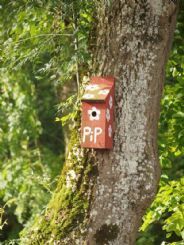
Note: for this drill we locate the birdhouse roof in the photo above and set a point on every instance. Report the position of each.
(98, 89)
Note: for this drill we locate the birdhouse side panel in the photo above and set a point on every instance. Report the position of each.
(93, 125)
(109, 123)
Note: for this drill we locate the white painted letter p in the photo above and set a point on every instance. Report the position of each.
(86, 132)
(97, 132)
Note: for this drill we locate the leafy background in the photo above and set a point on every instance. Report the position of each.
(45, 51)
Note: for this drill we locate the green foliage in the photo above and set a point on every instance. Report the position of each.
(45, 29)
(171, 130)
(69, 108)
(26, 160)
(168, 206)
(2, 223)
(43, 55)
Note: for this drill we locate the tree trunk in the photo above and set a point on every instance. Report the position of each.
(103, 194)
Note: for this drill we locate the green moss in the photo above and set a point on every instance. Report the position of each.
(68, 208)
(106, 233)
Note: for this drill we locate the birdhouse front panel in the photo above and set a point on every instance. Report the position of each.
(98, 114)
(93, 127)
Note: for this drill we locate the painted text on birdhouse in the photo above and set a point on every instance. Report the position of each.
(98, 113)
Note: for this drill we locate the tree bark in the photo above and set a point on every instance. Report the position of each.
(134, 38)
(103, 194)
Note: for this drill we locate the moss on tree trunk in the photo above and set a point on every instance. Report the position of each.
(66, 216)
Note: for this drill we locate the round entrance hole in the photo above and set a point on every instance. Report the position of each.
(94, 113)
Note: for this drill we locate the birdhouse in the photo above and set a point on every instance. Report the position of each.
(98, 113)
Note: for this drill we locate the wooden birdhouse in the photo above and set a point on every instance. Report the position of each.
(98, 113)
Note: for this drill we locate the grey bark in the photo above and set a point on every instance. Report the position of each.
(133, 42)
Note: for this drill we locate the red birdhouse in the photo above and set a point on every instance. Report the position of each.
(98, 113)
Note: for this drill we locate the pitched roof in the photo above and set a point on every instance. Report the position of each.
(97, 90)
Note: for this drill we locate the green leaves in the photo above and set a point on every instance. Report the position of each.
(175, 222)
(68, 110)
(169, 200)
(43, 48)
(36, 30)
